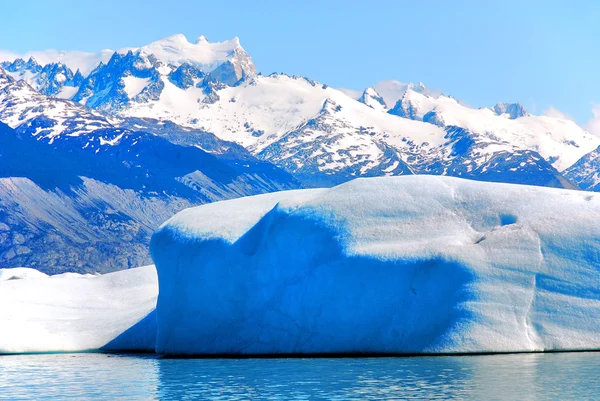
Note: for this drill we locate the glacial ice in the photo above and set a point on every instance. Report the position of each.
(72, 312)
(413, 264)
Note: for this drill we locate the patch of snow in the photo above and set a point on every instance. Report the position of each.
(559, 140)
(351, 93)
(134, 86)
(111, 142)
(67, 92)
(177, 50)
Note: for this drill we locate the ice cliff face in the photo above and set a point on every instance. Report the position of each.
(415, 264)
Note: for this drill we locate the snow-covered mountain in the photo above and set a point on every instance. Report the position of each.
(389, 92)
(586, 172)
(110, 79)
(322, 135)
(560, 142)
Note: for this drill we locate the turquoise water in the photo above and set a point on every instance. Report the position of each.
(100, 376)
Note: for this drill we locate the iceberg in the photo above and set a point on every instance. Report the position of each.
(394, 265)
(71, 312)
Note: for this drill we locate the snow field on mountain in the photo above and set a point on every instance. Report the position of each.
(177, 50)
(171, 50)
(414, 264)
(562, 142)
(72, 312)
(134, 86)
(272, 107)
(19, 103)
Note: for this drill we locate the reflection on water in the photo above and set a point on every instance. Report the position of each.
(97, 376)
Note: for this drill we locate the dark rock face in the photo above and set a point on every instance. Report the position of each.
(90, 203)
(514, 110)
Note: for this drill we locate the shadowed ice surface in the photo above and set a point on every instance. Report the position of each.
(103, 376)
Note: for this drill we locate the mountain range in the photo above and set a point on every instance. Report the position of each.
(99, 148)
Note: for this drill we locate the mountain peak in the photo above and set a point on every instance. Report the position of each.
(373, 99)
(513, 110)
(177, 38)
(202, 39)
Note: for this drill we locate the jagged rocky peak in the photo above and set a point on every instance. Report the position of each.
(391, 91)
(186, 76)
(236, 69)
(406, 106)
(201, 39)
(433, 117)
(371, 98)
(226, 61)
(420, 88)
(20, 65)
(330, 107)
(48, 79)
(4, 77)
(53, 77)
(512, 110)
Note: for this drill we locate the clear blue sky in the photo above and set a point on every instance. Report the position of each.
(540, 53)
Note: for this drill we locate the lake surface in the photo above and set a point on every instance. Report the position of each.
(559, 376)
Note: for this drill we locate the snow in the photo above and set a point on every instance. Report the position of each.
(177, 50)
(72, 312)
(76, 60)
(173, 50)
(111, 142)
(20, 103)
(275, 105)
(134, 85)
(285, 120)
(351, 93)
(561, 141)
(372, 99)
(305, 126)
(412, 264)
(391, 91)
(67, 92)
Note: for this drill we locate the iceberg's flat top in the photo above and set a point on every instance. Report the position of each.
(414, 264)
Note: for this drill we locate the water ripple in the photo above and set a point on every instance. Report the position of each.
(134, 377)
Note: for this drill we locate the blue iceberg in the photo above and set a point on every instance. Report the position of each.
(395, 265)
